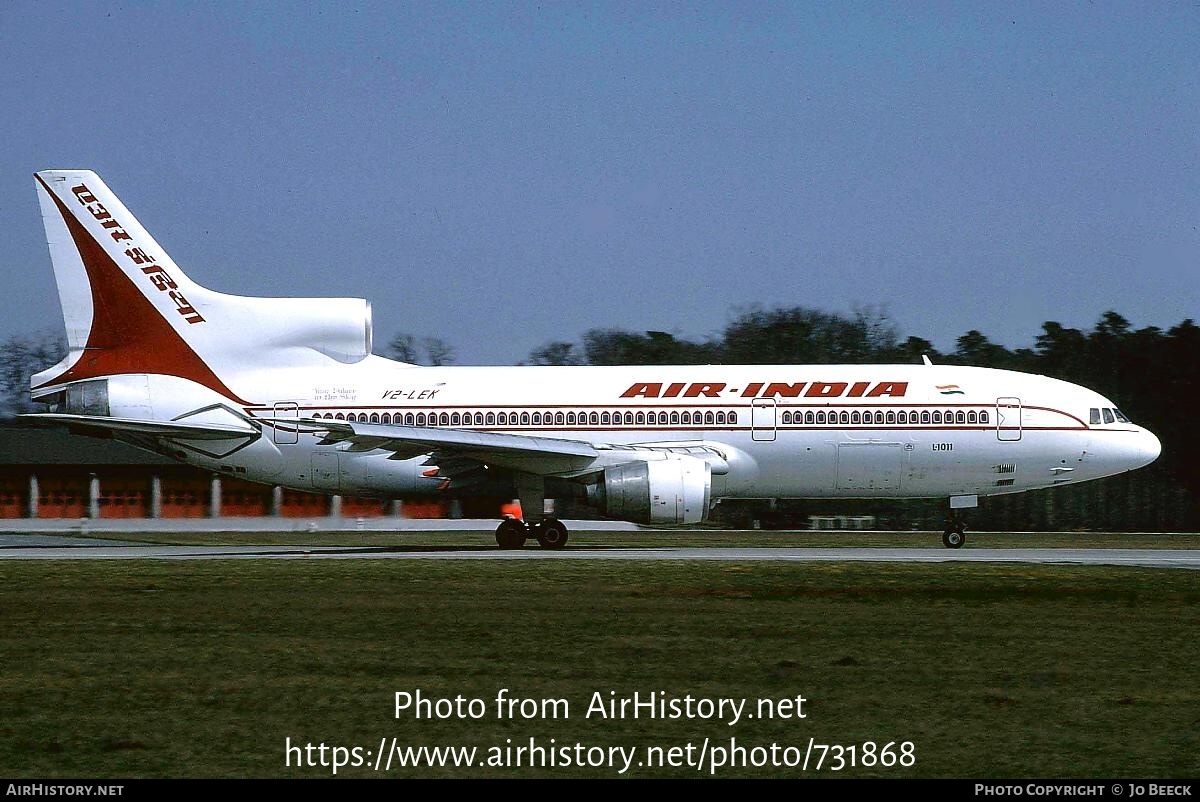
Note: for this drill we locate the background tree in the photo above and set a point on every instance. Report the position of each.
(431, 351)
(556, 353)
(438, 351)
(615, 347)
(21, 356)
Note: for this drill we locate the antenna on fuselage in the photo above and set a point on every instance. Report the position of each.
(925, 359)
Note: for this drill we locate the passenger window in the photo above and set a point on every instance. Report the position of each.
(787, 418)
(879, 417)
(902, 417)
(960, 417)
(524, 418)
(455, 420)
(687, 418)
(628, 418)
(560, 419)
(924, 416)
(674, 417)
(640, 419)
(444, 419)
(409, 420)
(844, 417)
(420, 418)
(537, 419)
(971, 416)
(731, 418)
(1094, 416)
(374, 417)
(820, 417)
(856, 417)
(983, 417)
(570, 418)
(340, 416)
(709, 419)
(605, 418)
(502, 418)
(808, 418)
(720, 418)
(387, 417)
(1108, 416)
(491, 419)
(937, 416)
(891, 417)
(594, 419)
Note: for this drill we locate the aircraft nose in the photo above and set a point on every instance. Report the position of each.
(1149, 447)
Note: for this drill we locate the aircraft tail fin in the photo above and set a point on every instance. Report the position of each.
(129, 309)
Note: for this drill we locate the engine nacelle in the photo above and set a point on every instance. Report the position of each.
(337, 327)
(676, 490)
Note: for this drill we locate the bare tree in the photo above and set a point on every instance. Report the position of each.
(438, 351)
(429, 351)
(404, 348)
(21, 356)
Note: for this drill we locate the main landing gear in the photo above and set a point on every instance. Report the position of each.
(512, 533)
(956, 531)
(550, 532)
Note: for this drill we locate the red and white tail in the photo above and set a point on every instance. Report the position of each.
(129, 309)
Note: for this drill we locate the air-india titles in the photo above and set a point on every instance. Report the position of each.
(859, 389)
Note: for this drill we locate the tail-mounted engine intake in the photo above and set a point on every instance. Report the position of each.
(675, 490)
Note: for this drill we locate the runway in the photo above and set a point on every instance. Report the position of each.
(24, 547)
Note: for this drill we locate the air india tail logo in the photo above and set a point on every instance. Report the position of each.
(949, 389)
(159, 277)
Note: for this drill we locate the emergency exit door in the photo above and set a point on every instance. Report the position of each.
(762, 419)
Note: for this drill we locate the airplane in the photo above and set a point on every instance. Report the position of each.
(286, 391)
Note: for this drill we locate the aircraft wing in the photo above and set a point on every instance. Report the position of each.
(177, 430)
(540, 455)
(460, 452)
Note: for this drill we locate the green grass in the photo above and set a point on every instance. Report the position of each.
(178, 669)
(676, 538)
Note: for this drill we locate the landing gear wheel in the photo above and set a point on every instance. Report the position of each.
(511, 534)
(953, 540)
(550, 533)
(955, 535)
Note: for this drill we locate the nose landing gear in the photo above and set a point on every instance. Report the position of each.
(956, 532)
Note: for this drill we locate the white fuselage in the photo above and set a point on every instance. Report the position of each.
(286, 391)
(815, 431)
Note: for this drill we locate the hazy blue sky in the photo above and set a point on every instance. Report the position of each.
(502, 175)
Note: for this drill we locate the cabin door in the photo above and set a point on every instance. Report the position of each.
(762, 419)
(1008, 418)
(284, 433)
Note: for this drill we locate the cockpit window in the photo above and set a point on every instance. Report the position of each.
(1108, 416)
(1094, 416)
(1120, 415)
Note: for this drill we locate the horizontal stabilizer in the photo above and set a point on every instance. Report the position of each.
(173, 429)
